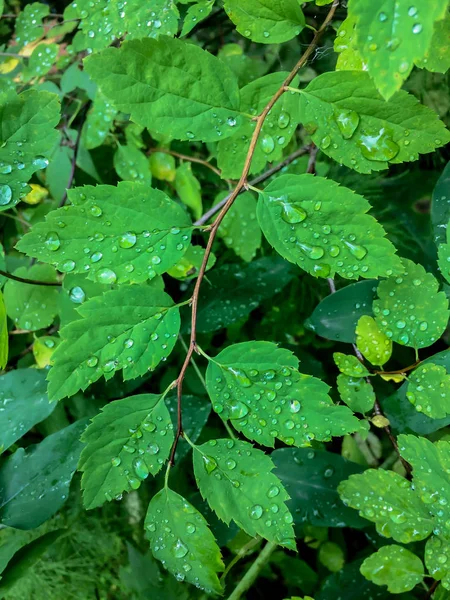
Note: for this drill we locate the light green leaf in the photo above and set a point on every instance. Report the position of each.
(188, 189)
(29, 23)
(128, 233)
(354, 125)
(356, 392)
(31, 306)
(132, 328)
(331, 556)
(394, 566)
(392, 35)
(189, 265)
(24, 402)
(429, 390)
(41, 61)
(178, 107)
(257, 386)
(437, 57)
(27, 139)
(180, 537)
(3, 334)
(373, 344)
(162, 166)
(388, 500)
(349, 58)
(195, 15)
(132, 165)
(266, 21)
(129, 439)
(437, 551)
(34, 483)
(276, 133)
(324, 229)
(239, 228)
(409, 309)
(237, 482)
(99, 122)
(350, 365)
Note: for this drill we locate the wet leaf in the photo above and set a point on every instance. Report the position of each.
(437, 550)
(429, 390)
(132, 165)
(240, 229)
(356, 392)
(437, 57)
(3, 334)
(373, 344)
(440, 206)
(196, 13)
(394, 566)
(189, 265)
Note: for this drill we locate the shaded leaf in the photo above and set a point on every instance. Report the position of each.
(196, 412)
(29, 25)
(437, 57)
(196, 13)
(3, 334)
(440, 206)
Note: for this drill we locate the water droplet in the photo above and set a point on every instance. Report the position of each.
(190, 527)
(400, 324)
(267, 143)
(106, 276)
(116, 461)
(256, 511)
(240, 377)
(326, 141)
(5, 195)
(347, 122)
(67, 266)
(77, 295)
(179, 550)
(95, 211)
(378, 146)
(40, 162)
(209, 463)
(412, 11)
(231, 464)
(293, 214)
(231, 121)
(96, 256)
(52, 241)
(237, 409)
(382, 17)
(359, 252)
(127, 240)
(92, 361)
(148, 426)
(417, 28)
(273, 491)
(283, 119)
(140, 468)
(295, 406)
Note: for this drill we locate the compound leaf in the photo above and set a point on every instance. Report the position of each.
(356, 392)
(429, 390)
(373, 344)
(394, 566)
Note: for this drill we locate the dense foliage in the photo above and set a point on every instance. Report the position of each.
(224, 305)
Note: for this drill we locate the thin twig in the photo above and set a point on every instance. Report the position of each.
(24, 280)
(312, 159)
(432, 589)
(241, 553)
(193, 159)
(259, 122)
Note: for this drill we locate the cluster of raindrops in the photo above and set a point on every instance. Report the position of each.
(29, 23)
(42, 60)
(99, 121)
(429, 390)
(19, 166)
(436, 558)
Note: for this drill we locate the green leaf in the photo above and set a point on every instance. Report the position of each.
(311, 478)
(237, 482)
(34, 483)
(388, 500)
(27, 140)
(331, 556)
(257, 386)
(354, 125)
(24, 402)
(188, 189)
(189, 265)
(196, 412)
(132, 165)
(239, 228)
(129, 439)
(58, 171)
(178, 107)
(356, 392)
(394, 566)
(350, 365)
(373, 344)
(3, 334)
(41, 61)
(428, 386)
(162, 166)
(440, 207)
(336, 316)
(392, 36)
(99, 122)
(128, 233)
(29, 23)
(180, 537)
(409, 309)
(76, 290)
(266, 21)
(349, 58)
(31, 306)
(196, 14)
(132, 328)
(437, 550)
(324, 229)
(437, 57)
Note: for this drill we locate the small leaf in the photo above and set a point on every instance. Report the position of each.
(196, 13)
(395, 377)
(36, 195)
(324, 229)
(240, 229)
(188, 189)
(180, 538)
(43, 349)
(162, 166)
(237, 482)
(356, 392)
(437, 551)
(429, 390)
(132, 165)
(41, 61)
(132, 328)
(127, 441)
(394, 566)
(373, 344)
(409, 308)
(350, 365)
(380, 421)
(331, 556)
(99, 122)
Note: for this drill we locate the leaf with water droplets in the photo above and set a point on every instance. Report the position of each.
(388, 500)
(29, 26)
(349, 58)
(32, 307)
(409, 309)
(127, 441)
(180, 537)
(356, 392)
(437, 552)
(257, 387)
(3, 334)
(324, 229)
(178, 107)
(394, 566)
(236, 480)
(392, 36)
(429, 390)
(239, 229)
(132, 165)
(27, 140)
(266, 21)
(195, 14)
(99, 122)
(350, 122)
(34, 483)
(131, 328)
(128, 233)
(77, 289)
(373, 344)
(40, 62)
(350, 365)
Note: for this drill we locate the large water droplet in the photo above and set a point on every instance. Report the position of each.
(209, 463)
(256, 511)
(5, 195)
(240, 376)
(52, 241)
(106, 276)
(77, 295)
(140, 468)
(127, 240)
(237, 409)
(359, 252)
(347, 122)
(293, 214)
(283, 119)
(67, 266)
(378, 146)
(267, 143)
(179, 550)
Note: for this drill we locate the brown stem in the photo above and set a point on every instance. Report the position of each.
(312, 159)
(431, 589)
(259, 120)
(193, 159)
(24, 280)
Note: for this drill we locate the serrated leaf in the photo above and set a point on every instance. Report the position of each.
(188, 189)
(76, 290)
(437, 550)
(437, 57)
(394, 566)
(29, 25)
(127, 441)
(388, 500)
(440, 206)
(34, 483)
(27, 140)
(373, 344)
(196, 13)
(24, 402)
(324, 229)
(180, 537)
(266, 21)
(429, 390)
(354, 125)
(409, 308)
(132, 165)
(356, 392)
(3, 334)
(350, 365)
(239, 228)
(392, 36)
(31, 306)
(99, 122)
(128, 233)
(257, 386)
(131, 328)
(236, 480)
(178, 107)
